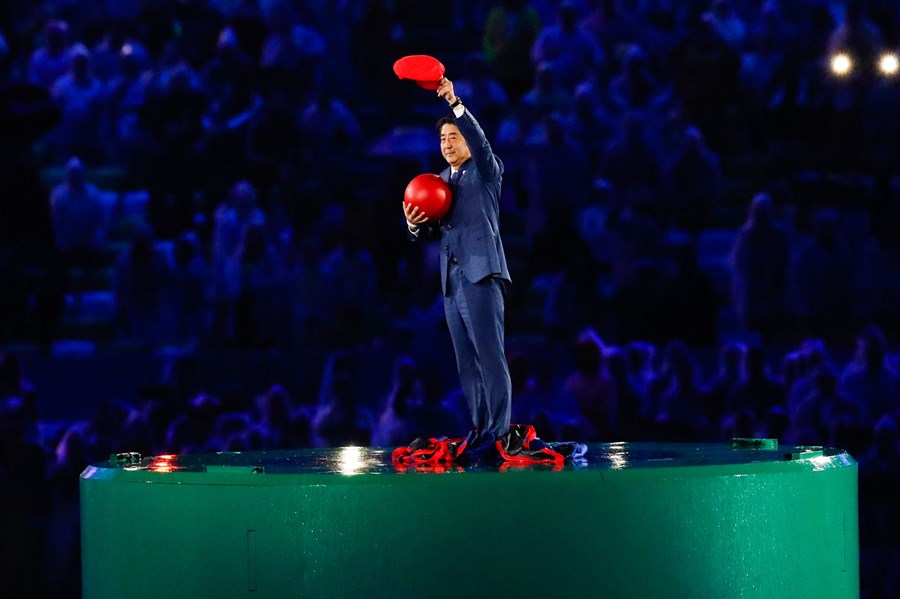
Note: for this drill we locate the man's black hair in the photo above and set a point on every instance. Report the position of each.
(444, 120)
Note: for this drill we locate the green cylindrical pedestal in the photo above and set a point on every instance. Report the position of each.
(639, 520)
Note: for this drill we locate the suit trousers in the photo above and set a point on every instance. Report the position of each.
(475, 314)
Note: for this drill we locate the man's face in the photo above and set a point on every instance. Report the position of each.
(453, 145)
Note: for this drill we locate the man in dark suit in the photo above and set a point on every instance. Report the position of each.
(474, 275)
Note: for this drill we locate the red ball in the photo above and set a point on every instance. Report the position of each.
(430, 194)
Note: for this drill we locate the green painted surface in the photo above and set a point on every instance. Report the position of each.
(639, 520)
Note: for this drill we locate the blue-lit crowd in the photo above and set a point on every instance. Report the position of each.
(700, 206)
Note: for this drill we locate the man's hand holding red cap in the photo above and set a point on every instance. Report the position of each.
(445, 90)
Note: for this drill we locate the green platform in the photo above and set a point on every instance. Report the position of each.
(639, 520)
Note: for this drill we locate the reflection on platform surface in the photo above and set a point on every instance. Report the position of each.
(354, 460)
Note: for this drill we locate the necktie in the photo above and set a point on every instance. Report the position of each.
(454, 177)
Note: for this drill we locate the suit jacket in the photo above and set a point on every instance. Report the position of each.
(470, 232)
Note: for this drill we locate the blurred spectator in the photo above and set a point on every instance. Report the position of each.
(633, 165)
(439, 413)
(759, 259)
(326, 121)
(696, 179)
(661, 377)
(274, 142)
(125, 95)
(189, 291)
(591, 388)
(632, 410)
(395, 425)
(548, 155)
(811, 356)
(545, 97)
(588, 124)
(225, 128)
(104, 432)
(679, 413)
(612, 25)
(63, 556)
(725, 21)
(80, 97)
(730, 372)
(572, 51)
(640, 357)
(339, 421)
(79, 219)
(879, 525)
(692, 311)
(634, 88)
(247, 20)
(146, 428)
(141, 280)
(256, 285)
(877, 280)
(637, 236)
(563, 274)
(510, 31)
(351, 282)
(172, 116)
(869, 378)
(229, 83)
(278, 420)
(815, 418)
(757, 391)
(229, 73)
(763, 68)
(706, 80)
(791, 371)
(231, 217)
(308, 294)
(820, 270)
(192, 430)
(51, 61)
(231, 432)
(291, 53)
(106, 55)
(530, 399)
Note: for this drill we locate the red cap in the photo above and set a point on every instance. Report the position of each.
(426, 71)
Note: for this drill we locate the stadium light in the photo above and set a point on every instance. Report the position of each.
(841, 64)
(888, 64)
